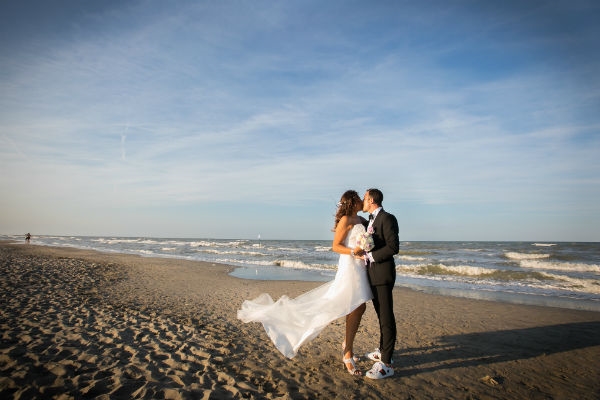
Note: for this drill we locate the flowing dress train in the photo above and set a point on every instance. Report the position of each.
(292, 322)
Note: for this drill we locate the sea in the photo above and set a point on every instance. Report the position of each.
(557, 274)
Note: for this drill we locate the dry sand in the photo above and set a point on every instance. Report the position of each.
(81, 324)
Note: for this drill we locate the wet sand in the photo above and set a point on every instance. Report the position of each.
(82, 324)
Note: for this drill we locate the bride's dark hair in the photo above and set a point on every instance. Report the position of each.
(346, 206)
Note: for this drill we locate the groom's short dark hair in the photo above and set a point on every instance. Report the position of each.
(376, 195)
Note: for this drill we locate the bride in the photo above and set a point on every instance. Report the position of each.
(292, 322)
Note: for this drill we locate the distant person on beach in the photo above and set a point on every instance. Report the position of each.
(28, 237)
(382, 277)
(292, 322)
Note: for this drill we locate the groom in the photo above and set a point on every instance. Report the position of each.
(382, 276)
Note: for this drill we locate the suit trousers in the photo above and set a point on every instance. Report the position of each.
(383, 302)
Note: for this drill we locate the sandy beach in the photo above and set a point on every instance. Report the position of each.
(82, 324)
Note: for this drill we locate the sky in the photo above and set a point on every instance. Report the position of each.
(233, 119)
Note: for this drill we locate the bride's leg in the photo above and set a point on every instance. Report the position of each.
(352, 323)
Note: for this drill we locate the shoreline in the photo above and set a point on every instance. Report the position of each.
(80, 323)
(277, 273)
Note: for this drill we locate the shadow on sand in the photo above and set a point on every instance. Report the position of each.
(474, 349)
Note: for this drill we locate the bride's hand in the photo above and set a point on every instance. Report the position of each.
(358, 252)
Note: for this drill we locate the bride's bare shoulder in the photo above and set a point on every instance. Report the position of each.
(344, 221)
(348, 222)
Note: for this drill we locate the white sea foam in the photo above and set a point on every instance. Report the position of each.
(525, 256)
(409, 268)
(573, 284)
(209, 243)
(286, 249)
(301, 265)
(202, 243)
(468, 270)
(232, 252)
(230, 261)
(115, 240)
(560, 266)
(411, 258)
(148, 241)
(323, 248)
(544, 244)
(465, 270)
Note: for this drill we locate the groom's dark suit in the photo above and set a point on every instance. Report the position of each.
(382, 276)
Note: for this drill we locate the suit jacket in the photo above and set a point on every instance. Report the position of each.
(387, 244)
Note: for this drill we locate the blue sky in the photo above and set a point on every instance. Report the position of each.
(229, 119)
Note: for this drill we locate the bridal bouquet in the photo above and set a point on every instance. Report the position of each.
(365, 240)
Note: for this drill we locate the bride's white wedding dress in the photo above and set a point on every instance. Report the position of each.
(292, 322)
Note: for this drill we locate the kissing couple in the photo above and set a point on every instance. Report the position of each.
(366, 271)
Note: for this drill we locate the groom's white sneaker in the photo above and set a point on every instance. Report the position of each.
(380, 371)
(375, 355)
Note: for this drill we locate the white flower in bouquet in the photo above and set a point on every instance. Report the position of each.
(365, 240)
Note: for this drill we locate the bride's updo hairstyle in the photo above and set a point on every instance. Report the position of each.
(347, 205)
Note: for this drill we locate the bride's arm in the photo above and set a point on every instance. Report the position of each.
(341, 230)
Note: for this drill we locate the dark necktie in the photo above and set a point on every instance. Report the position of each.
(370, 217)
